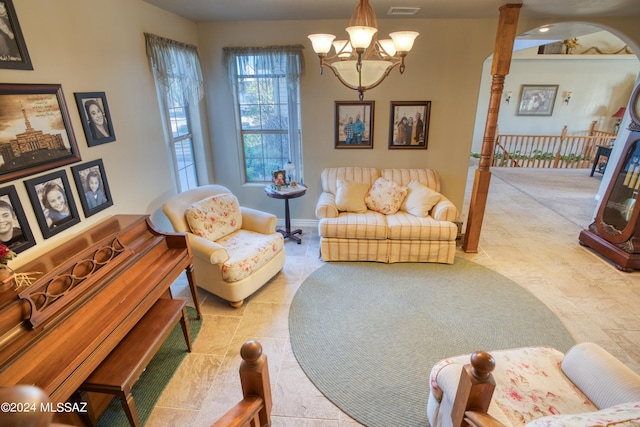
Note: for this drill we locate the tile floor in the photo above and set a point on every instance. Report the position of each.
(521, 239)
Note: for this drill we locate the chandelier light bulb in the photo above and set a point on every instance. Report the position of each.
(343, 48)
(321, 42)
(403, 40)
(361, 36)
(388, 47)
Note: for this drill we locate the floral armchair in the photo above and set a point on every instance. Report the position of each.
(236, 250)
(534, 387)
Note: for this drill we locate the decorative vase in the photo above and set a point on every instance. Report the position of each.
(7, 279)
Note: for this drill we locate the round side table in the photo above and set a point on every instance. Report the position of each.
(287, 193)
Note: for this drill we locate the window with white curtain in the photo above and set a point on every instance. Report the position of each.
(266, 82)
(178, 76)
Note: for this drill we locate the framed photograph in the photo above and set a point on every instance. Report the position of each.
(280, 175)
(13, 49)
(52, 202)
(409, 124)
(95, 116)
(537, 100)
(15, 232)
(92, 185)
(35, 131)
(354, 124)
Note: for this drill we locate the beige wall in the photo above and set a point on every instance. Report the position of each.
(98, 46)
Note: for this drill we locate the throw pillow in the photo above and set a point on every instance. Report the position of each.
(350, 195)
(215, 217)
(421, 199)
(385, 196)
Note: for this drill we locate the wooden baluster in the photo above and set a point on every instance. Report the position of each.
(254, 376)
(475, 388)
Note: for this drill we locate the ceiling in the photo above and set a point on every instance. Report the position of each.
(268, 10)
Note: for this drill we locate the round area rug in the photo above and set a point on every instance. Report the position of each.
(367, 334)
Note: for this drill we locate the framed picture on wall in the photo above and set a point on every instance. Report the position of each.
(52, 202)
(537, 100)
(409, 124)
(354, 124)
(13, 49)
(15, 232)
(96, 119)
(35, 130)
(92, 185)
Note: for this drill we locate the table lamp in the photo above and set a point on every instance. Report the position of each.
(290, 169)
(618, 115)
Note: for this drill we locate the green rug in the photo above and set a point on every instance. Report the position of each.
(155, 378)
(367, 334)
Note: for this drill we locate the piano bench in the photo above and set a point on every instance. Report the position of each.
(122, 368)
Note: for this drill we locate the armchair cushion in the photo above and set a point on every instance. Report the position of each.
(385, 196)
(421, 199)
(215, 217)
(248, 251)
(350, 195)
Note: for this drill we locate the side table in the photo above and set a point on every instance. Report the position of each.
(287, 193)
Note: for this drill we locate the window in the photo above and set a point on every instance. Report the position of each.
(266, 85)
(176, 70)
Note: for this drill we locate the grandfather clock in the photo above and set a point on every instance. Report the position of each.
(615, 233)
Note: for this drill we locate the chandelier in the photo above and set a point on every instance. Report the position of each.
(363, 62)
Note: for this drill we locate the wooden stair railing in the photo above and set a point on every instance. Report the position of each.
(255, 409)
(475, 390)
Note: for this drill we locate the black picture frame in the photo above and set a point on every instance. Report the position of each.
(90, 104)
(52, 220)
(537, 100)
(345, 110)
(92, 201)
(11, 209)
(35, 131)
(15, 55)
(403, 132)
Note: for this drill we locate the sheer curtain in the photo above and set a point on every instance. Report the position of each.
(287, 60)
(175, 63)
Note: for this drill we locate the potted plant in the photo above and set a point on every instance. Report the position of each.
(7, 280)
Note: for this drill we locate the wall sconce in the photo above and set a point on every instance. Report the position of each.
(567, 97)
(507, 97)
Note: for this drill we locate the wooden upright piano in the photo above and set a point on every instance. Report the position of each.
(93, 290)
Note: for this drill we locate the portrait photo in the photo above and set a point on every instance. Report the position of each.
(537, 100)
(15, 232)
(13, 50)
(354, 124)
(96, 119)
(92, 185)
(34, 121)
(52, 202)
(409, 124)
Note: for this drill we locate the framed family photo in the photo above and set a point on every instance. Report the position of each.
(354, 124)
(13, 49)
(15, 232)
(409, 124)
(35, 130)
(92, 185)
(52, 202)
(537, 100)
(96, 119)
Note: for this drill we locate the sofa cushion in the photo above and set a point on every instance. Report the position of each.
(405, 226)
(420, 200)
(428, 177)
(350, 195)
(385, 196)
(624, 415)
(248, 251)
(368, 225)
(215, 217)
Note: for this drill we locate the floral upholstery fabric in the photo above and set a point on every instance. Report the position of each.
(625, 415)
(529, 384)
(215, 217)
(385, 196)
(248, 251)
